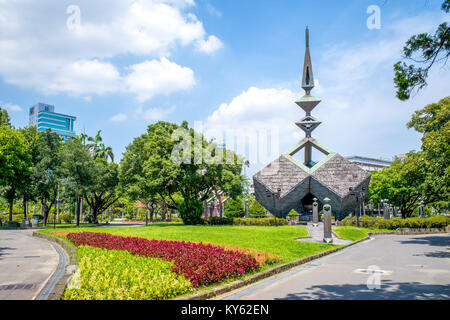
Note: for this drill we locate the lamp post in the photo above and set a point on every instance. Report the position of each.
(58, 201)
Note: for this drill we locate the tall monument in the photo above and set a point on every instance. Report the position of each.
(289, 183)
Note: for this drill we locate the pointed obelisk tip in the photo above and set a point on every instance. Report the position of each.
(308, 78)
(307, 36)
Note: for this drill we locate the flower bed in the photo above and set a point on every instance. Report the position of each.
(119, 275)
(201, 264)
(261, 257)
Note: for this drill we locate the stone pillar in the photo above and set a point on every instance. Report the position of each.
(315, 211)
(327, 236)
(386, 213)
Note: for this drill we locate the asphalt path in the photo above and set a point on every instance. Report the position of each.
(387, 267)
(26, 264)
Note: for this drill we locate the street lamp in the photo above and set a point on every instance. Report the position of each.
(58, 202)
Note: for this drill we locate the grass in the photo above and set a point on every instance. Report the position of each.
(354, 234)
(277, 240)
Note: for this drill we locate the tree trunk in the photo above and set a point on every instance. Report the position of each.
(44, 208)
(25, 207)
(11, 206)
(163, 210)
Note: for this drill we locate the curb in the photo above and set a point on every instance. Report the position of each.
(58, 290)
(412, 231)
(265, 274)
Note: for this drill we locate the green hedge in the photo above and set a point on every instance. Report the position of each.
(395, 223)
(214, 221)
(258, 221)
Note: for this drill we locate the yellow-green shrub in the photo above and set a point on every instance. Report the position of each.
(119, 275)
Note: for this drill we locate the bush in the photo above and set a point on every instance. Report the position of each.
(259, 221)
(256, 209)
(218, 221)
(65, 217)
(191, 211)
(234, 208)
(395, 223)
(293, 213)
(18, 217)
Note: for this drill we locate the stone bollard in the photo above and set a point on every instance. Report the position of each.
(315, 211)
(327, 236)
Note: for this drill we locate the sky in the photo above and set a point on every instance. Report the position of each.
(233, 66)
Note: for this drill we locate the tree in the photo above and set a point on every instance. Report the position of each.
(151, 169)
(401, 183)
(98, 148)
(4, 117)
(15, 163)
(434, 122)
(46, 173)
(78, 171)
(256, 209)
(234, 208)
(31, 135)
(424, 50)
(103, 191)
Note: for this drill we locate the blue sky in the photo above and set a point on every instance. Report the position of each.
(233, 65)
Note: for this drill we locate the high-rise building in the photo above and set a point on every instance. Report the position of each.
(44, 117)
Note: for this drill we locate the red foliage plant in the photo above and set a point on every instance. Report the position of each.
(200, 263)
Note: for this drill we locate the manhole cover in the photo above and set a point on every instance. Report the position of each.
(17, 286)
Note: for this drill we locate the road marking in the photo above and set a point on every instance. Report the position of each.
(372, 271)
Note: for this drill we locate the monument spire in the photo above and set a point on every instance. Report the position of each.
(308, 78)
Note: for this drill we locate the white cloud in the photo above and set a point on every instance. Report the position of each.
(154, 114)
(41, 54)
(158, 76)
(10, 106)
(83, 77)
(118, 117)
(210, 45)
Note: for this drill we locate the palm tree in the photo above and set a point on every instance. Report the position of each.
(98, 149)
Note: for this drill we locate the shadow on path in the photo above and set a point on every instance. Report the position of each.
(388, 291)
(435, 241)
(3, 253)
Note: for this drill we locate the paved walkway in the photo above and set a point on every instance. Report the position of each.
(26, 264)
(316, 233)
(388, 267)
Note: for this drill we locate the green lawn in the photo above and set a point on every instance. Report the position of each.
(354, 234)
(277, 240)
